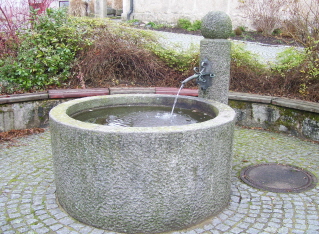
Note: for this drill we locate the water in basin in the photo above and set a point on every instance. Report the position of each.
(141, 116)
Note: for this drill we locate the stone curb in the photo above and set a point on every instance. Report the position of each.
(78, 93)
(23, 97)
(131, 90)
(249, 97)
(296, 104)
(174, 91)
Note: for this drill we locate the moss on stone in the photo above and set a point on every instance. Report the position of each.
(237, 104)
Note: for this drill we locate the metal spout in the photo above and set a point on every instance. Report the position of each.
(195, 76)
(202, 75)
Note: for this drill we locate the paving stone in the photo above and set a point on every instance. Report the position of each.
(14, 215)
(31, 221)
(44, 216)
(64, 230)
(191, 232)
(50, 221)
(271, 230)
(60, 215)
(23, 229)
(66, 221)
(56, 227)
(5, 228)
(208, 227)
(10, 232)
(98, 231)
(252, 231)
(222, 227)
(237, 230)
(250, 210)
(36, 226)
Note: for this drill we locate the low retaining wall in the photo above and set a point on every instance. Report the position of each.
(299, 118)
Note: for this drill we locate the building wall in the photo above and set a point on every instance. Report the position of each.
(169, 11)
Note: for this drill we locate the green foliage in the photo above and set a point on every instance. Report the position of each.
(289, 59)
(178, 60)
(277, 31)
(184, 23)
(197, 25)
(242, 57)
(188, 25)
(312, 60)
(238, 31)
(133, 21)
(45, 53)
(155, 25)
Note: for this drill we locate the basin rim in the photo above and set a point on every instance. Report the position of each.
(224, 115)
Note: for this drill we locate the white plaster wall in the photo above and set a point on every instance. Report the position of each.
(169, 11)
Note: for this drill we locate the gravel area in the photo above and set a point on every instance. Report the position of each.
(266, 53)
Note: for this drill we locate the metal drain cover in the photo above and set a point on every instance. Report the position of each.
(278, 178)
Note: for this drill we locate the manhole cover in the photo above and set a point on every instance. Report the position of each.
(278, 178)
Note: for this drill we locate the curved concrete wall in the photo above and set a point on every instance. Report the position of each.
(296, 117)
(142, 179)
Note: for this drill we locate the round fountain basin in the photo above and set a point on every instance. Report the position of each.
(142, 179)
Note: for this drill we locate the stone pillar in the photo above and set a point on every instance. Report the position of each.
(216, 29)
(100, 8)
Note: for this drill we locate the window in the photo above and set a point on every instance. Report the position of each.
(63, 3)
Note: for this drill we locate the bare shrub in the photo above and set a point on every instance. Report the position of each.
(12, 17)
(265, 15)
(302, 24)
(78, 8)
(15, 17)
(40, 6)
(91, 7)
(244, 79)
(284, 79)
(113, 61)
(302, 21)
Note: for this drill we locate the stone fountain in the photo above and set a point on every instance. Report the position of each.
(148, 179)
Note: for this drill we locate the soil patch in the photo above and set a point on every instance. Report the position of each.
(14, 134)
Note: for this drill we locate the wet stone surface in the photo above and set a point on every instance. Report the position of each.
(28, 204)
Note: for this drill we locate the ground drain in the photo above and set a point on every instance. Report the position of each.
(278, 178)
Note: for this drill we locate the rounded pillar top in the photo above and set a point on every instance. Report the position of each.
(216, 25)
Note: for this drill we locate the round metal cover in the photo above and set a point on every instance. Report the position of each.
(278, 178)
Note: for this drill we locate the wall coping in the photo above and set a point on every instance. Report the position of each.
(78, 93)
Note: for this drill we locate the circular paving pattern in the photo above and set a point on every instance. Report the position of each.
(28, 201)
(278, 178)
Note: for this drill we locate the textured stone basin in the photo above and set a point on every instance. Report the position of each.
(142, 179)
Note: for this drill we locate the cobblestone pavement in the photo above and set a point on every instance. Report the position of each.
(28, 204)
(266, 53)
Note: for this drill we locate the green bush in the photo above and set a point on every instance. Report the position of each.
(181, 61)
(184, 23)
(197, 25)
(242, 57)
(188, 25)
(289, 59)
(45, 53)
(156, 25)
